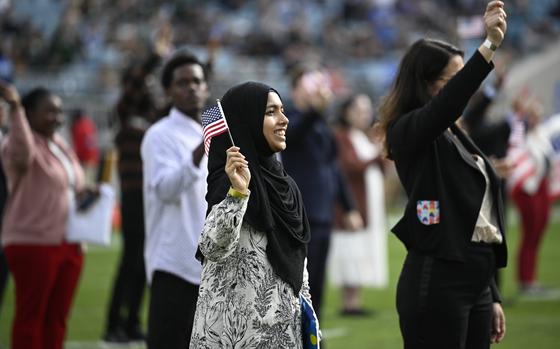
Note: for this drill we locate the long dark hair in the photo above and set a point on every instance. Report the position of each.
(421, 65)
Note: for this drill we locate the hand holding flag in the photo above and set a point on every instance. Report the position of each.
(237, 170)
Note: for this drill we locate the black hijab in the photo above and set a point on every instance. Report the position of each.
(275, 204)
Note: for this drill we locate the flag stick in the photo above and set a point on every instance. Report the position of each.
(225, 121)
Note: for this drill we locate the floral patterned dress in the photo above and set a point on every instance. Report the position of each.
(242, 303)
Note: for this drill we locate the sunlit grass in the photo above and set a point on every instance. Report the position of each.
(530, 324)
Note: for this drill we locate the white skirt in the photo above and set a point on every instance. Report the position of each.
(359, 258)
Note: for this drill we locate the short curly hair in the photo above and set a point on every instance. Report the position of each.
(177, 61)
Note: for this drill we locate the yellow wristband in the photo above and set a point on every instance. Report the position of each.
(236, 194)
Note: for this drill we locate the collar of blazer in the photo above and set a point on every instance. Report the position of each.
(466, 148)
(469, 148)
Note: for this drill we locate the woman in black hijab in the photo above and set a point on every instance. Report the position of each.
(254, 241)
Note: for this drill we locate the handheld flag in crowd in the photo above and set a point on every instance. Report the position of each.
(526, 172)
(214, 123)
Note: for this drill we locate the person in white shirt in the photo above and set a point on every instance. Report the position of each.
(175, 170)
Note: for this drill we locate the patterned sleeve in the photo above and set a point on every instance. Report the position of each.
(220, 234)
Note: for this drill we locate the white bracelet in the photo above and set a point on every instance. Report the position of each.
(488, 44)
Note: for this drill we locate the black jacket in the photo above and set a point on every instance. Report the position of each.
(432, 168)
(311, 159)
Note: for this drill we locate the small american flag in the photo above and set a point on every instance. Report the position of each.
(213, 124)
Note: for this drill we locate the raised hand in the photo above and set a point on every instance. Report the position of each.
(313, 92)
(9, 94)
(237, 169)
(495, 22)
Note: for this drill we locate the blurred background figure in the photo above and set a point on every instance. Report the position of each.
(311, 159)
(6, 75)
(175, 171)
(43, 176)
(4, 271)
(135, 111)
(359, 258)
(531, 154)
(85, 142)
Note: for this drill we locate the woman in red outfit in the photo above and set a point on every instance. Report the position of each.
(43, 176)
(531, 196)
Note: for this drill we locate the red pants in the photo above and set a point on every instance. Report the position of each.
(45, 278)
(535, 212)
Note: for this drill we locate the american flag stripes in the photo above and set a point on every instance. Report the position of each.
(213, 124)
(519, 156)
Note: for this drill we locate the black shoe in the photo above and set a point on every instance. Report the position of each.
(116, 336)
(136, 334)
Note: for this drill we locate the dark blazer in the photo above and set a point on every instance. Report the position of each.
(432, 167)
(310, 158)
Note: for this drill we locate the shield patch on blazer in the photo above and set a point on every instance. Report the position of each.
(427, 211)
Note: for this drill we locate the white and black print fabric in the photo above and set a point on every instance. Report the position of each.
(242, 303)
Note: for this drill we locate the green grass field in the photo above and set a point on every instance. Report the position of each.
(530, 324)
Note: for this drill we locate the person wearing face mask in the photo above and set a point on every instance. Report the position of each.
(254, 241)
(453, 225)
(42, 172)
